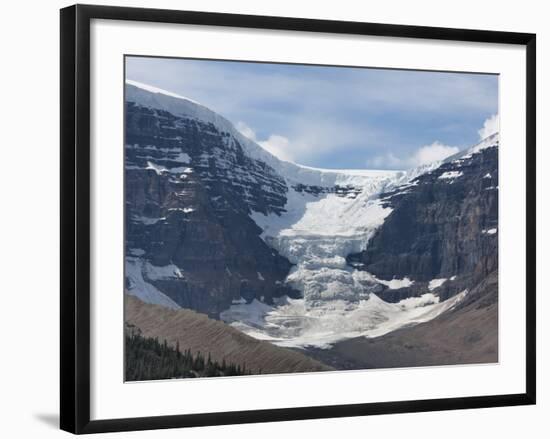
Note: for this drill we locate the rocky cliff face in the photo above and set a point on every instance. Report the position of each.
(189, 192)
(443, 227)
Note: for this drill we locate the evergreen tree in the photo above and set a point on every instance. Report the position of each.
(149, 359)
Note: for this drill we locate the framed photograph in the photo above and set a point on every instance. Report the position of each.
(268, 218)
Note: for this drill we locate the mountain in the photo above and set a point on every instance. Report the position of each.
(190, 188)
(443, 229)
(194, 187)
(291, 254)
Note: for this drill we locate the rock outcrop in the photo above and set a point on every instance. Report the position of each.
(444, 226)
(189, 191)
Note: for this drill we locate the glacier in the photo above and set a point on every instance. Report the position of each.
(316, 233)
(290, 323)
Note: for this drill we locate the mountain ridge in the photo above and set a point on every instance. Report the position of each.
(182, 106)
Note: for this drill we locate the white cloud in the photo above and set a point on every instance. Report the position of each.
(279, 146)
(276, 144)
(490, 126)
(310, 139)
(246, 131)
(432, 153)
(422, 156)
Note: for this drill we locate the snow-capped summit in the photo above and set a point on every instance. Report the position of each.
(153, 97)
(157, 90)
(491, 141)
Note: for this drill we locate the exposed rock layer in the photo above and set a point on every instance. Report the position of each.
(196, 217)
(443, 225)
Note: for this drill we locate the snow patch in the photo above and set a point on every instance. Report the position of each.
(436, 283)
(182, 209)
(157, 168)
(396, 284)
(147, 220)
(139, 287)
(178, 170)
(166, 272)
(451, 175)
(252, 313)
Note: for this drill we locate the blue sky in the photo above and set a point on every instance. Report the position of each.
(336, 117)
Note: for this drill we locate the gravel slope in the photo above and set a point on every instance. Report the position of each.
(200, 333)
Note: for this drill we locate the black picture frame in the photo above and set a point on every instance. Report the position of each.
(75, 217)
